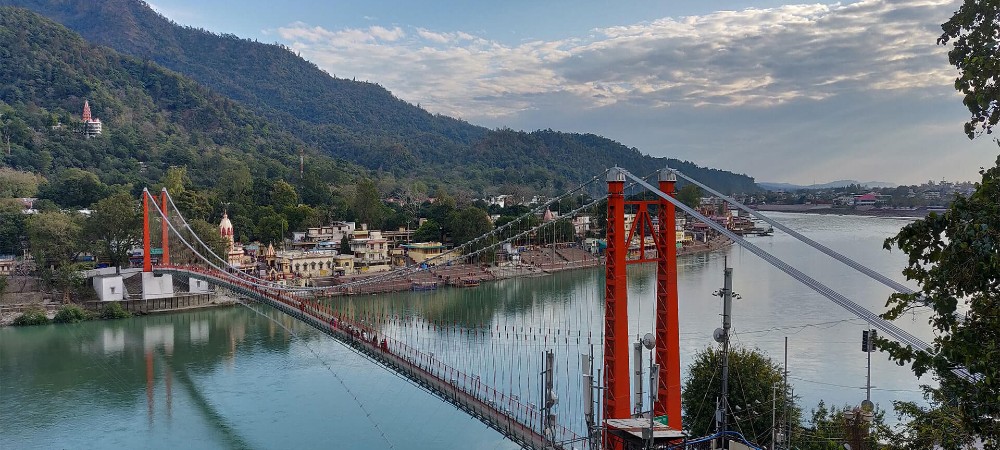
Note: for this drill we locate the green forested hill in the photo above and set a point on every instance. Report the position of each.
(153, 118)
(356, 121)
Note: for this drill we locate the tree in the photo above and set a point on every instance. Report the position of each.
(557, 231)
(942, 424)
(193, 204)
(690, 195)
(752, 376)
(74, 188)
(972, 30)
(12, 228)
(175, 180)
(115, 227)
(54, 238)
(955, 258)
(283, 196)
(468, 223)
(209, 234)
(831, 428)
(367, 205)
(345, 245)
(429, 231)
(271, 228)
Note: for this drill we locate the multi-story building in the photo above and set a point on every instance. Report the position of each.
(371, 253)
(328, 236)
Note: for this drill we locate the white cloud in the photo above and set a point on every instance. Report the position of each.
(748, 58)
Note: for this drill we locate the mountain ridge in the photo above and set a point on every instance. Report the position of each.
(357, 121)
(831, 185)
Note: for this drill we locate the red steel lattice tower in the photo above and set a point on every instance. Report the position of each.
(165, 240)
(616, 346)
(147, 264)
(668, 400)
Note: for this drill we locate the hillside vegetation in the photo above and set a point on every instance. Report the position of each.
(359, 122)
(153, 118)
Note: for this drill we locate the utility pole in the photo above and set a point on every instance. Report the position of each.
(637, 377)
(784, 393)
(722, 336)
(774, 414)
(587, 363)
(550, 399)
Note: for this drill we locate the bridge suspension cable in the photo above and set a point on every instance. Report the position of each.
(836, 297)
(898, 287)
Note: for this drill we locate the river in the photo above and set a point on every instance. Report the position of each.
(242, 378)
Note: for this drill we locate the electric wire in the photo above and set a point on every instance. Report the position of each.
(870, 317)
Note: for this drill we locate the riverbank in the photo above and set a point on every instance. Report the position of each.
(10, 311)
(850, 211)
(533, 262)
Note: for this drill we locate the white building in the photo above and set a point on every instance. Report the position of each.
(371, 254)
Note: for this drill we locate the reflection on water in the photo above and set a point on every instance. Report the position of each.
(236, 378)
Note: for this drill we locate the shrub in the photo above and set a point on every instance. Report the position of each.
(32, 316)
(114, 310)
(71, 314)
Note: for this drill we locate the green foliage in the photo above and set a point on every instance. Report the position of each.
(175, 180)
(4, 284)
(153, 119)
(367, 205)
(355, 121)
(468, 223)
(114, 310)
(13, 228)
(831, 428)
(71, 314)
(74, 189)
(114, 228)
(689, 195)
(14, 184)
(752, 376)
(283, 196)
(955, 258)
(345, 246)
(557, 231)
(31, 316)
(942, 424)
(972, 30)
(428, 232)
(207, 233)
(55, 238)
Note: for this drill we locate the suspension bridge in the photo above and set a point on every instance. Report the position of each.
(570, 381)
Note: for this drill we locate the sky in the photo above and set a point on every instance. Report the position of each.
(784, 92)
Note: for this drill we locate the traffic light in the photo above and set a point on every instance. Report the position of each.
(868, 340)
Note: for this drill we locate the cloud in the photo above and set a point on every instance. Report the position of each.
(749, 58)
(801, 93)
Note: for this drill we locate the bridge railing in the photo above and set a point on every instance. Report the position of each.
(507, 405)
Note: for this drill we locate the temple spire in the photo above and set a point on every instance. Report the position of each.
(86, 111)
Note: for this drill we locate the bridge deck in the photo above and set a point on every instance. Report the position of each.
(515, 420)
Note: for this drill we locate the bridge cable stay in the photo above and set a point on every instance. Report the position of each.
(380, 317)
(456, 251)
(863, 313)
(871, 273)
(388, 275)
(368, 414)
(898, 287)
(518, 417)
